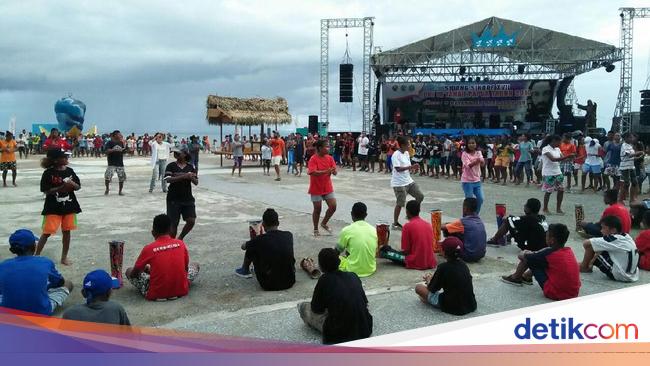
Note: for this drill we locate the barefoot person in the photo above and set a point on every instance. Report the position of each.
(277, 146)
(552, 174)
(320, 168)
(237, 155)
(8, 158)
(115, 156)
(180, 175)
(401, 180)
(58, 182)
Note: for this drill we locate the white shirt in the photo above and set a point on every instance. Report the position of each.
(592, 154)
(159, 151)
(627, 160)
(401, 179)
(551, 168)
(266, 152)
(623, 255)
(363, 145)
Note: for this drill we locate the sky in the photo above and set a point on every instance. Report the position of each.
(149, 65)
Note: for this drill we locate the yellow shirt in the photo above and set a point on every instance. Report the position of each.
(8, 157)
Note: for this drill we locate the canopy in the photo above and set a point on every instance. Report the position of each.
(250, 111)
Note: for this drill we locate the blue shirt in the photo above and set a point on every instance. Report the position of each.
(24, 281)
(614, 154)
(474, 237)
(524, 149)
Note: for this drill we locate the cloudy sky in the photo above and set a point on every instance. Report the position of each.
(149, 65)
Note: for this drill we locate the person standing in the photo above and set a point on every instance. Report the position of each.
(630, 183)
(160, 150)
(567, 147)
(320, 169)
(21, 143)
(552, 174)
(115, 156)
(470, 179)
(180, 175)
(290, 151)
(401, 180)
(56, 142)
(8, 158)
(525, 161)
(59, 182)
(363, 143)
(277, 153)
(299, 154)
(237, 154)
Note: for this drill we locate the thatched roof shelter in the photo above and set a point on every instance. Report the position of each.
(250, 111)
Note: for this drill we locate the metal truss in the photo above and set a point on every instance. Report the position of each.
(367, 24)
(501, 65)
(624, 102)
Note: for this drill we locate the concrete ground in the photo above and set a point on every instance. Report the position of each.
(220, 302)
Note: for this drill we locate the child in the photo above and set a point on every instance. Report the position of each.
(643, 243)
(470, 230)
(61, 207)
(98, 309)
(28, 282)
(266, 157)
(614, 208)
(615, 254)
(472, 160)
(453, 278)
(555, 268)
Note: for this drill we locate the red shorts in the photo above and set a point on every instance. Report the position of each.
(51, 223)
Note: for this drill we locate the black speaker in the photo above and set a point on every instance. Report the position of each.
(313, 124)
(345, 83)
(644, 115)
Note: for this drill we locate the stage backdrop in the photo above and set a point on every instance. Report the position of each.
(469, 104)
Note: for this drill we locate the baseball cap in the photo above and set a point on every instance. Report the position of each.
(451, 243)
(22, 238)
(97, 283)
(56, 153)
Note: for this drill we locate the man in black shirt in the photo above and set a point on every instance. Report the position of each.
(180, 175)
(272, 255)
(339, 307)
(529, 231)
(114, 154)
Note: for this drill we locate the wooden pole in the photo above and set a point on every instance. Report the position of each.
(221, 142)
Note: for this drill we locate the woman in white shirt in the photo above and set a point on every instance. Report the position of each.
(593, 164)
(159, 154)
(552, 177)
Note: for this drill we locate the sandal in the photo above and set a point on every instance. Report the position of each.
(308, 265)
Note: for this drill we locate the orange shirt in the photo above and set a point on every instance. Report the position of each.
(8, 157)
(567, 149)
(278, 147)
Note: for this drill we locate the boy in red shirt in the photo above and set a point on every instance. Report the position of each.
(417, 242)
(320, 169)
(614, 208)
(643, 243)
(555, 268)
(163, 270)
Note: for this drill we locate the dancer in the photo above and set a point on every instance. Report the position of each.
(59, 182)
(320, 168)
(299, 155)
(181, 175)
(159, 154)
(8, 158)
(401, 180)
(472, 159)
(237, 155)
(630, 182)
(553, 178)
(115, 157)
(265, 151)
(277, 146)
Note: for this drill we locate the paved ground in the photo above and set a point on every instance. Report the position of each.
(223, 303)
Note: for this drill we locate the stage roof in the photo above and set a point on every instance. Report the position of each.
(497, 42)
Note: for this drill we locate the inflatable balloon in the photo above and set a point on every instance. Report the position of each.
(70, 114)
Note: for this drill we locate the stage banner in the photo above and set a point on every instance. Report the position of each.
(479, 104)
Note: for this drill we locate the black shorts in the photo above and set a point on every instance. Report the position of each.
(298, 159)
(177, 209)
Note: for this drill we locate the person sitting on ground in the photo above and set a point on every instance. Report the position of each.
(163, 269)
(272, 255)
(470, 230)
(643, 243)
(614, 208)
(28, 282)
(359, 241)
(555, 268)
(615, 254)
(97, 288)
(529, 231)
(453, 278)
(417, 237)
(339, 307)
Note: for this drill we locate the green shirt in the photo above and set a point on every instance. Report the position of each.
(359, 239)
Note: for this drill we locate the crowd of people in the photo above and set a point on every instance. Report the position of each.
(339, 306)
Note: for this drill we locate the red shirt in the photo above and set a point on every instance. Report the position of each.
(622, 213)
(320, 185)
(643, 245)
(58, 143)
(417, 244)
(563, 275)
(168, 259)
(278, 147)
